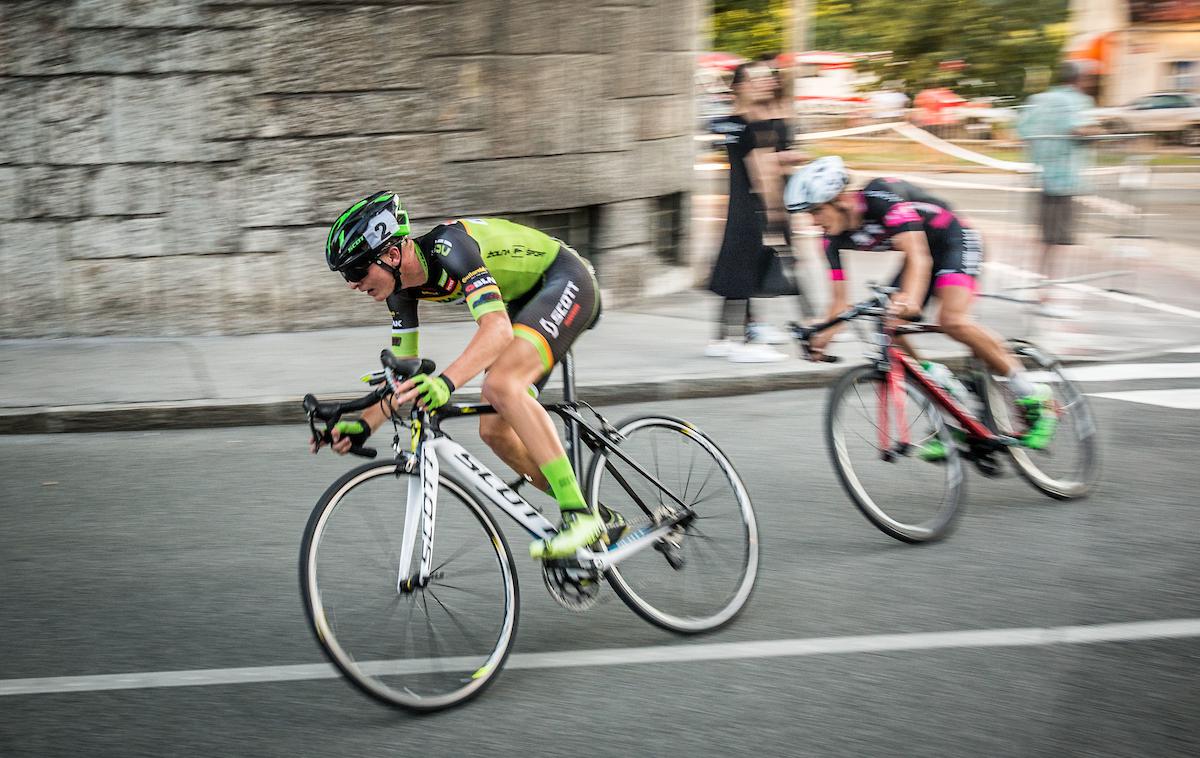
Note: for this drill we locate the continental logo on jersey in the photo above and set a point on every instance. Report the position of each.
(442, 247)
(480, 282)
(475, 272)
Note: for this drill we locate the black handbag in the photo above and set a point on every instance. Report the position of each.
(779, 273)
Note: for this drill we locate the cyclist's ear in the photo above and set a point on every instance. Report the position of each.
(391, 255)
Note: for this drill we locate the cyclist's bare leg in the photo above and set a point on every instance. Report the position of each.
(905, 344)
(504, 442)
(506, 388)
(954, 317)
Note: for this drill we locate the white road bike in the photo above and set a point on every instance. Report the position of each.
(424, 624)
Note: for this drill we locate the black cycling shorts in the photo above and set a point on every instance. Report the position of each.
(957, 265)
(552, 317)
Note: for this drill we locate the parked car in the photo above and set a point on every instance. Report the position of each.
(1168, 114)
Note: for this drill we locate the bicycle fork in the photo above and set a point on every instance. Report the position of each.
(420, 505)
(891, 395)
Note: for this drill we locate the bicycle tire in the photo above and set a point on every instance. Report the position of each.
(362, 660)
(673, 602)
(871, 505)
(1076, 422)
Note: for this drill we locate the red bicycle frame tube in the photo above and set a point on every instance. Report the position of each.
(902, 364)
(891, 393)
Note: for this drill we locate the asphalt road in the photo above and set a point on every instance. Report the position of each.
(177, 551)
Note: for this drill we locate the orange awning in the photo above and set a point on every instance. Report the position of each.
(1095, 47)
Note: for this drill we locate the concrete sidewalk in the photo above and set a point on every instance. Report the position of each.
(110, 384)
(636, 354)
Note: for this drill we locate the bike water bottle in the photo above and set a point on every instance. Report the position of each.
(946, 379)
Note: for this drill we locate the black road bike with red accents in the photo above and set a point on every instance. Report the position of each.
(887, 420)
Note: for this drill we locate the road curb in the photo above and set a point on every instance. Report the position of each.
(199, 414)
(204, 414)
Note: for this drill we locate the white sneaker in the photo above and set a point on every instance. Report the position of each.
(766, 334)
(718, 349)
(751, 352)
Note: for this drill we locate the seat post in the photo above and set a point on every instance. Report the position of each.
(574, 454)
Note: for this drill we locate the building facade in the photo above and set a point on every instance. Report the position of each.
(170, 167)
(1142, 46)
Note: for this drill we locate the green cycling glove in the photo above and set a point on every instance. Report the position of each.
(435, 391)
(357, 431)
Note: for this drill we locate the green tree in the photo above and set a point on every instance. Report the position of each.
(749, 28)
(998, 41)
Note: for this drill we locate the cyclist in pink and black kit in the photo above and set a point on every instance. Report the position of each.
(942, 256)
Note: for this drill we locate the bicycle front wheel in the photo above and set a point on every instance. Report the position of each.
(698, 577)
(907, 491)
(424, 648)
(1066, 468)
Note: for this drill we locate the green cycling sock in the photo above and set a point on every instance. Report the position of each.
(564, 485)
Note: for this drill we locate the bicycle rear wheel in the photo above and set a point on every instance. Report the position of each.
(906, 497)
(700, 575)
(424, 649)
(1065, 469)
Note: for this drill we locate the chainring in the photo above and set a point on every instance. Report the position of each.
(572, 586)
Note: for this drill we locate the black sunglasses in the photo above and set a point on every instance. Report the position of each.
(355, 272)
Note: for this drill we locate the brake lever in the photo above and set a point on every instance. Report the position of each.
(802, 333)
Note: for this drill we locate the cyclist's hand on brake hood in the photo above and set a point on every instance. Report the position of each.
(343, 436)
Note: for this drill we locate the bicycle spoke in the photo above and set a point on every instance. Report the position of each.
(899, 492)
(445, 624)
(691, 468)
(476, 644)
(701, 583)
(455, 556)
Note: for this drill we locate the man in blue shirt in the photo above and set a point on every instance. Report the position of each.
(1053, 126)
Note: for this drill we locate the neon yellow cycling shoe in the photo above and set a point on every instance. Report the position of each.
(1039, 414)
(579, 529)
(932, 451)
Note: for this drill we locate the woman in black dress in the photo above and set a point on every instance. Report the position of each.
(753, 138)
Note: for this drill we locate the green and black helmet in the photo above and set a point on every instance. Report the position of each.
(361, 234)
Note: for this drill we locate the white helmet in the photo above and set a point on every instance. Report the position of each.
(816, 184)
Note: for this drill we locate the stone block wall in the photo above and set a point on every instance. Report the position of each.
(170, 166)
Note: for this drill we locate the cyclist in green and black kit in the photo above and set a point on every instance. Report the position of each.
(531, 296)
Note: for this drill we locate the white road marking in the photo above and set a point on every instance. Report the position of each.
(1122, 372)
(717, 651)
(1088, 289)
(1189, 349)
(1188, 400)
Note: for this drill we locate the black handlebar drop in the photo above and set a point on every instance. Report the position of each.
(804, 333)
(331, 412)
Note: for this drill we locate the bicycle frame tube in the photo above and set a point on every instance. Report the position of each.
(893, 386)
(903, 363)
(457, 459)
(574, 453)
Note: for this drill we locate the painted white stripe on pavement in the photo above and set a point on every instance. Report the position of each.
(1121, 372)
(1118, 296)
(1188, 400)
(1189, 349)
(874, 643)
